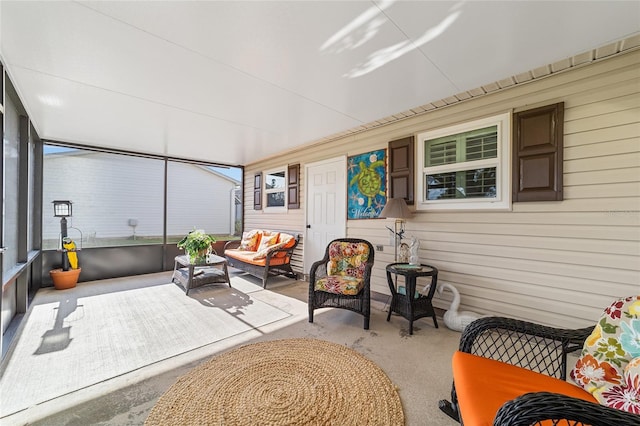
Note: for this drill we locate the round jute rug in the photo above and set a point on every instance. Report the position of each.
(282, 382)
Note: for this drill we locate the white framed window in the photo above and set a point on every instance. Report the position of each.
(275, 190)
(466, 166)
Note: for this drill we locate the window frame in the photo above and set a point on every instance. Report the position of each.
(502, 163)
(266, 191)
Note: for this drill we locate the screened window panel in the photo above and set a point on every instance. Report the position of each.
(275, 188)
(275, 199)
(199, 197)
(482, 146)
(480, 183)
(441, 151)
(274, 181)
(11, 144)
(441, 186)
(117, 199)
(468, 146)
(475, 183)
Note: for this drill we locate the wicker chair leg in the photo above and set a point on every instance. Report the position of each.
(448, 408)
(366, 323)
(310, 313)
(451, 408)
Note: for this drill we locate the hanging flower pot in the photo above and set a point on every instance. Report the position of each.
(64, 279)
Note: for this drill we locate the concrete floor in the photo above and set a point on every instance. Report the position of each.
(418, 364)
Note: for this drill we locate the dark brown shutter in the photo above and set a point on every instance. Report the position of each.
(537, 154)
(293, 185)
(257, 191)
(401, 167)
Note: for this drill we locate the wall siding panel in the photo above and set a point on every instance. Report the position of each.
(601, 121)
(607, 162)
(613, 190)
(601, 177)
(558, 263)
(613, 147)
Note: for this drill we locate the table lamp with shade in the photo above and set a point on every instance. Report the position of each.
(396, 208)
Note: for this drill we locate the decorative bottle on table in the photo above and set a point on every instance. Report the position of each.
(413, 249)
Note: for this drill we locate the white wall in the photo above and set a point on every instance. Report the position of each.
(559, 263)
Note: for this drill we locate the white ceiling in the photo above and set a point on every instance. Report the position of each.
(235, 82)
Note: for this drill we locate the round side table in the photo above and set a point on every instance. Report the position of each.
(411, 305)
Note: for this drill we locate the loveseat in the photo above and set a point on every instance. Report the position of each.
(510, 372)
(263, 253)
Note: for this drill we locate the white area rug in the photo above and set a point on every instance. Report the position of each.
(83, 340)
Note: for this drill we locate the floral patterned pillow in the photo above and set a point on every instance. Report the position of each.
(609, 365)
(347, 258)
(284, 242)
(250, 240)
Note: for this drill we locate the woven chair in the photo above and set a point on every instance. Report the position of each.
(342, 278)
(541, 349)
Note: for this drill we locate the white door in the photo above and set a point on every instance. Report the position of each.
(326, 189)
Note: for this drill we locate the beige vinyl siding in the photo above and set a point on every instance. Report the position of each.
(558, 263)
(292, 220)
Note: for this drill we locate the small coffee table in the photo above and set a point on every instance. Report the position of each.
(412, 305)
(190, 275)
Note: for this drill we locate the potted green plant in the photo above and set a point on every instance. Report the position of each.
(197, 245)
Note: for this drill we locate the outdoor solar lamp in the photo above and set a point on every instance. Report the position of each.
(62, 208)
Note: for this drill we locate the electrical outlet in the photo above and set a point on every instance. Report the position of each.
(379, 247)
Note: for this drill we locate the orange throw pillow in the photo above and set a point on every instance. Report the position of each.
(268, 240)
(250, 240)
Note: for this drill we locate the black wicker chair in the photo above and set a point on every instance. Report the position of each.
(542, 349)
(360, 302)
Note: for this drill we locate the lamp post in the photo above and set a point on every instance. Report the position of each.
(396, 208)
(62, 209)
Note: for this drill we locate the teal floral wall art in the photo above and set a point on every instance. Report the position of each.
(367, 179)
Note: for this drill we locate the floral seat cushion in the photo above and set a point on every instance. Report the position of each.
(609, 365)
(345, 269)
(340, 285)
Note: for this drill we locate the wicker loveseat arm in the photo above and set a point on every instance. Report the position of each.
(522, 343)
(524, 397)
(532, 408)
(231, 244)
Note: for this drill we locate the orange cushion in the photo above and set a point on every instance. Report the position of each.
(248, 257)
(483, 385)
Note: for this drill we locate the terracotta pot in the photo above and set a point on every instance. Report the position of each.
(65, 279)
